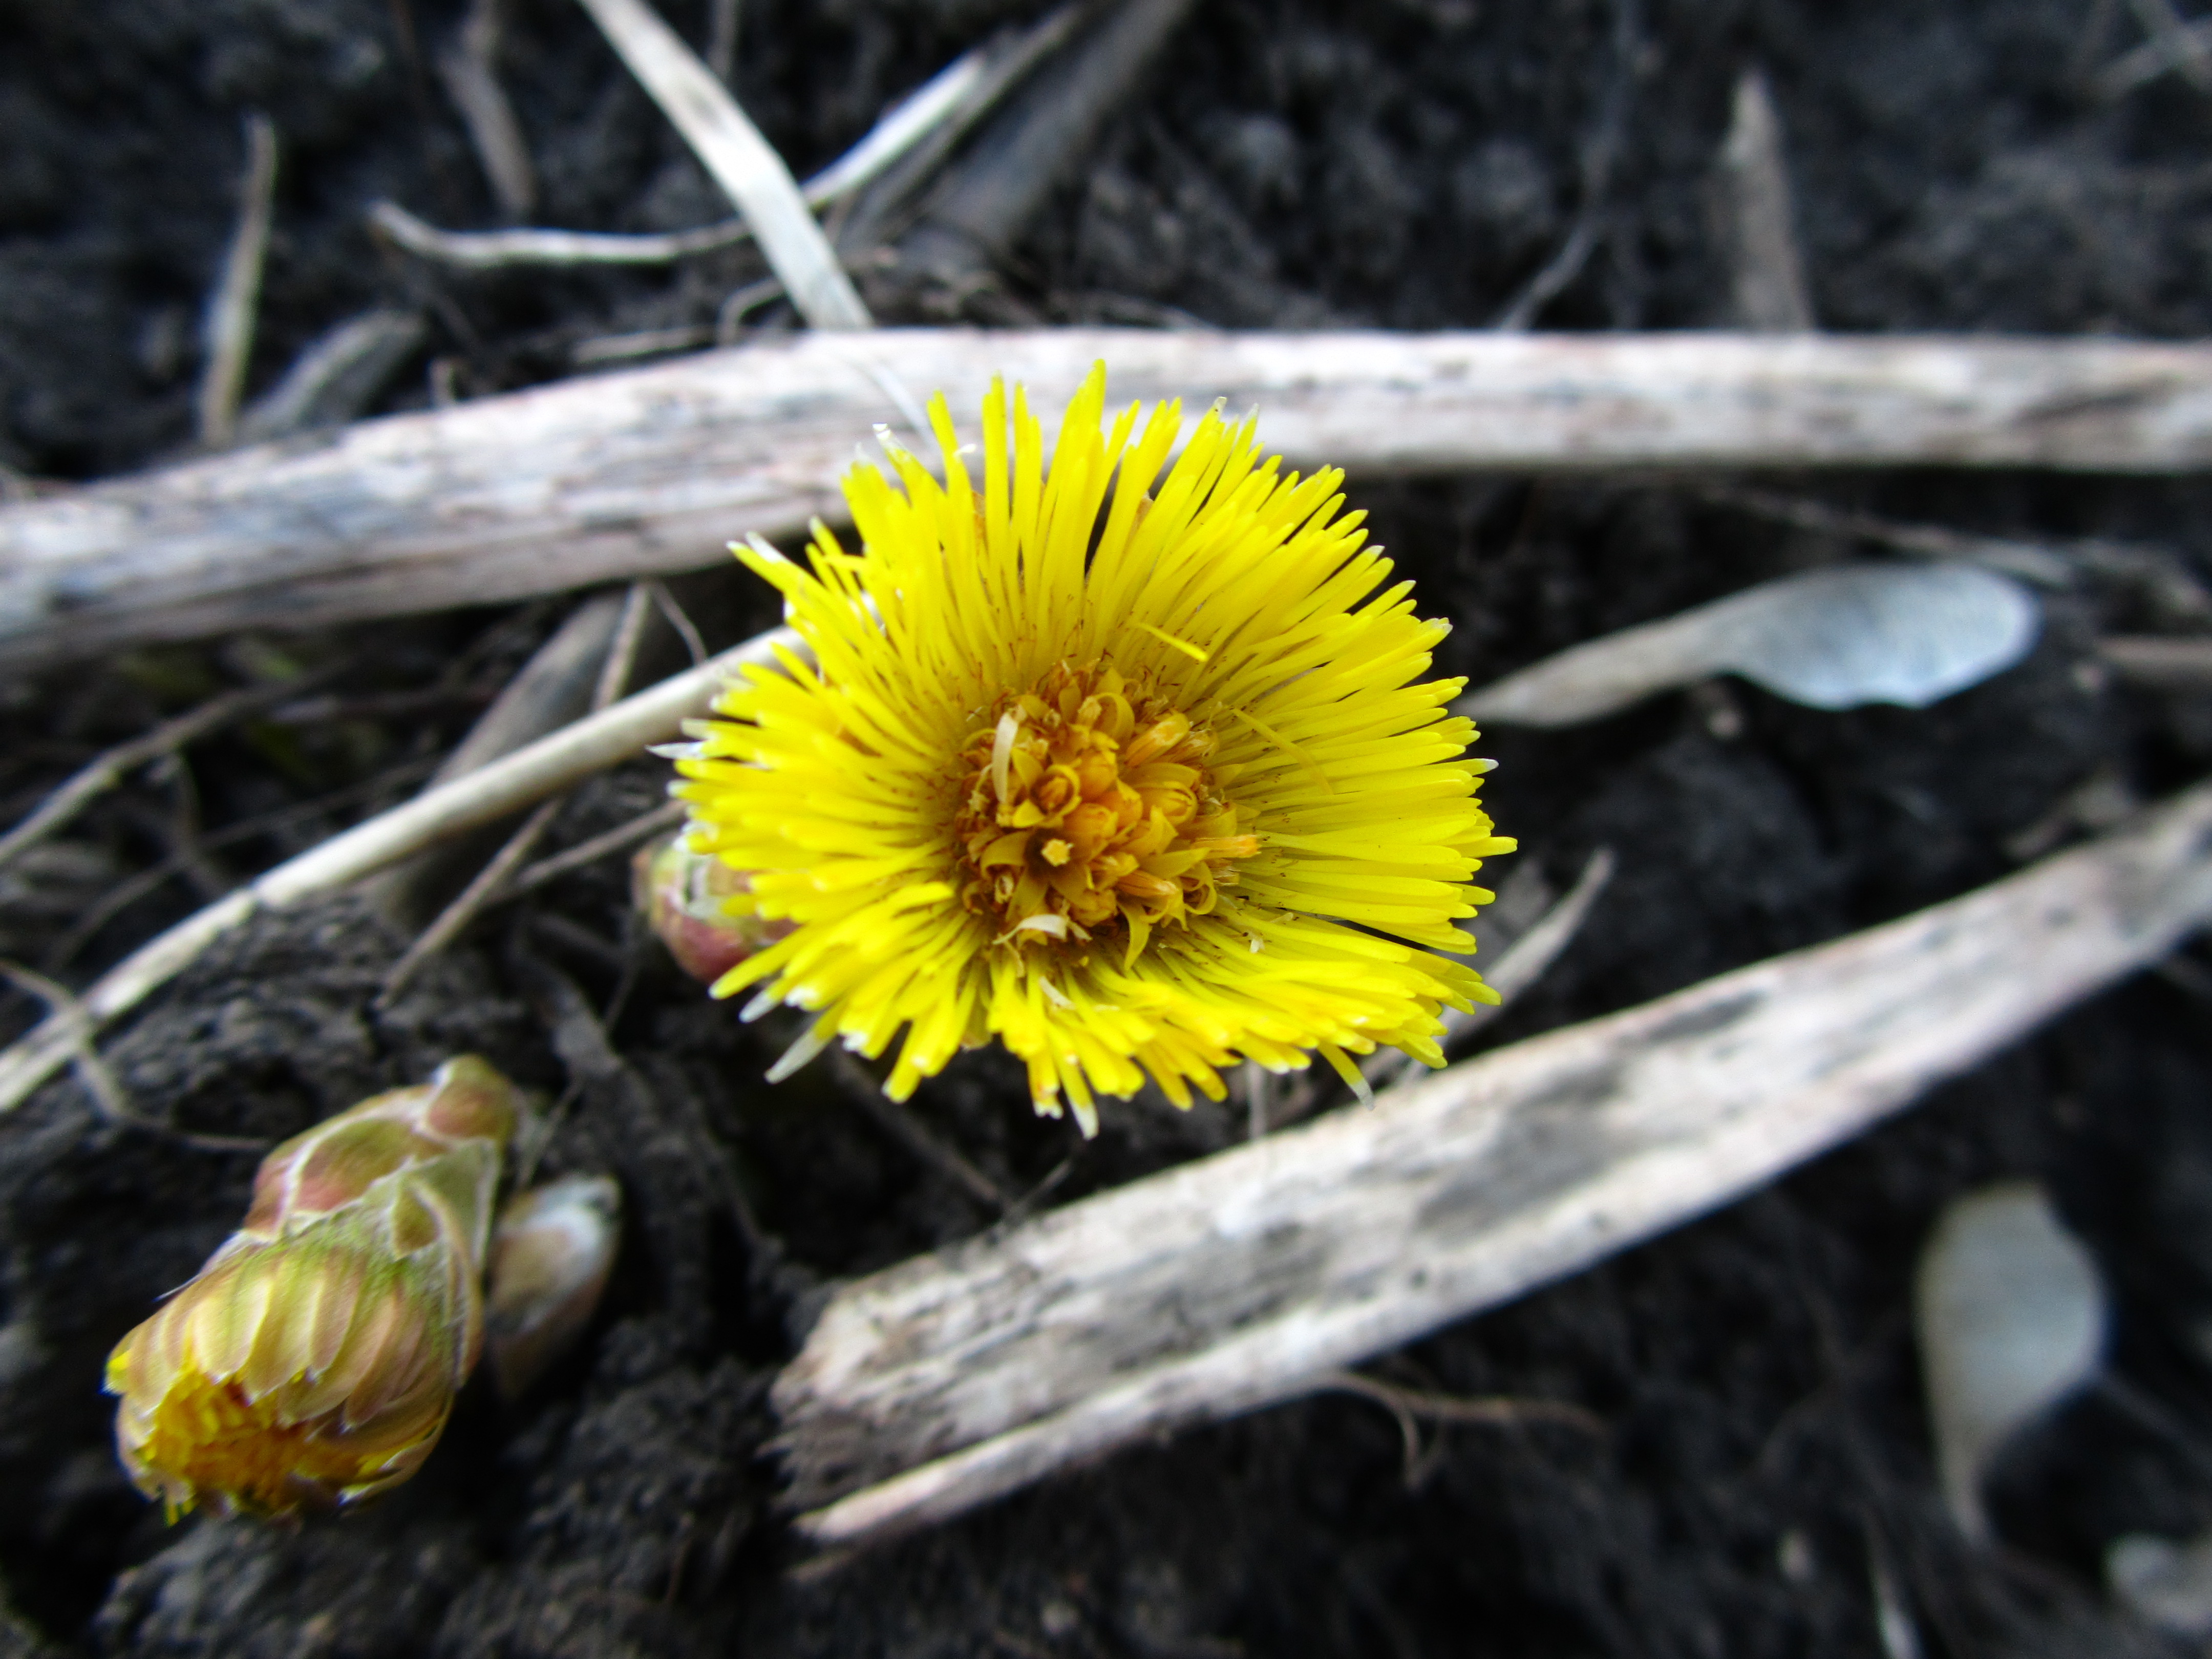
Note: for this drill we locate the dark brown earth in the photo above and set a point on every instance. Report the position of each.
(1408, 163)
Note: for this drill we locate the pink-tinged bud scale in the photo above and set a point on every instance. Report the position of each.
(701, 907)
(550, 1256)
(313, 1360)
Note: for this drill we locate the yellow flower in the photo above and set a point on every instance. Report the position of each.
(313, 1359)
(1138, 783)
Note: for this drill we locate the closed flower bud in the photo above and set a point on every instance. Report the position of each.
(314, 1359)
(550, 1256)
(701, 907)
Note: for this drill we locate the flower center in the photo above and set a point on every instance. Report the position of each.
(1088, 808)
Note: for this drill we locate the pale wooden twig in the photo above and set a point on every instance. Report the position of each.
(336, 377)
(496, 250)
(490, 882)
(1256, 1275)
(2191, 59)
(2167, 664)
(237, 296)
(653, 470)
(732, 150)
(974, 218)
(944, 106)
(620, 839)
(2146, 63)
(468, 68)
(89, 783)
(484, 796)
(100, 1085)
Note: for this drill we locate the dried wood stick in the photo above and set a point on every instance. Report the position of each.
(103, 774)
(231, 308)
(484, 796)
(731, 148)
(1257, 1274)
(1041, 138)
(620, 839)
(488, 883)
(2164, 662)
(653, 470)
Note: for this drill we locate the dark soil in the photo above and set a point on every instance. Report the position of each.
(1407, 164)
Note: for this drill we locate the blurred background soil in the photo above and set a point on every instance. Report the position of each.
(1405, 164)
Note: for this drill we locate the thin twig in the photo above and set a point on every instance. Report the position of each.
(1600, 152)
(621, 650)
(482, 888)
(732, 150)
(679, 619)
(1410, 1406)
(646, 342)
(922, 127)
(118, 899)
(530, 774)
(2145, 63)
(489, 881)
(109, 1099)
(620, 838)
(469, 69)
(95, 780)
(911, 1133)
(229, 326)
(2162, 662)
(1492, 1411)
(493, 250)
(2176, 42)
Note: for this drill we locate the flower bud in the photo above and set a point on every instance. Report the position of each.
(701, 907)
(313, 1360)
(550, 1256)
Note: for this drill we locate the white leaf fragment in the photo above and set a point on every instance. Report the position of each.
(1837, 637)
(2011, 1319)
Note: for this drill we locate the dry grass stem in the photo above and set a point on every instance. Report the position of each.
(237, 296)
(2164, 663)
(732, 150)
(490, 881)
(484, 796)
(102, 774)
(469, 69)
(620, 839)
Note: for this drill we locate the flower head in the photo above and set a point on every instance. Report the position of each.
(314, 1358)
(1136, 781)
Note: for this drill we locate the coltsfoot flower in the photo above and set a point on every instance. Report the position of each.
(314, 1359)
(1136, 781)
(697, 906)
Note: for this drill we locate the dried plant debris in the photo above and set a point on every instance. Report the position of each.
(1836, 638)
(2012, 1320)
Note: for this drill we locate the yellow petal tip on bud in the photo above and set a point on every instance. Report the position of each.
(313, 1360)
(699, 907)
(550, 1256)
